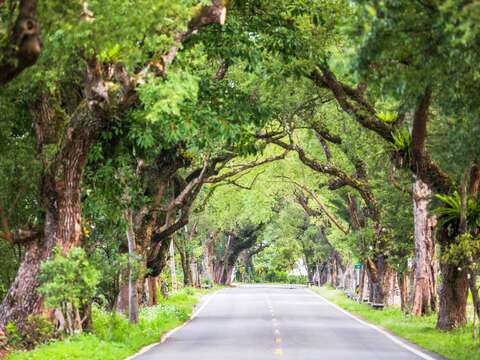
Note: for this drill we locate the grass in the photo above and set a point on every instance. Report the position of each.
(113, 338)
(455, 345)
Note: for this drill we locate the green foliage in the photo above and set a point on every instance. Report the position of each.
(13, 336)
(387, 116)
(37, 330)
(449, 212)
(402, 140)
(69, 279)
(283, 277)
(465, 248)
(113, 338)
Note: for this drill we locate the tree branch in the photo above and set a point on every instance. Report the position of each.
(243, 167)
(23, 45)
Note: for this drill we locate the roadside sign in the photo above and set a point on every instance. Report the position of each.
(358, 265)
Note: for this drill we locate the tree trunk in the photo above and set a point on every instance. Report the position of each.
(61, 198)
(187, 271)
(361, 284)
(403, 285)
(453, 292)
(453, 297)
(60, 191)
(381, 280)
(185, 262)
(173, 268)
(208, 255)
(424, 297)
(390, 278)
(152, 290)
(472, 284)
(333, 269)
(132, 273)
(227, 275)
(310, 272)
(22, 298)
(158, 258)
(195, 273)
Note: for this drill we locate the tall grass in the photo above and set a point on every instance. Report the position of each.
(113, 338)
(455, 345)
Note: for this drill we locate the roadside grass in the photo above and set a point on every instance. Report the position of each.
(113, 338)
(455, 345)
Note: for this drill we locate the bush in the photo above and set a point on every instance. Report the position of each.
(68, 283)
(36, 330)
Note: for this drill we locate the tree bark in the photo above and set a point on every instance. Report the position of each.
(453, 297)
(23, 45)
(472, 284)
(381, 277)
(152, 290)
(60, 190)
(403, 285)
(132, 276)
(424, 297)
(173, 268)
(362, 284)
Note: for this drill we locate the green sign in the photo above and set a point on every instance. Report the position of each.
(358, 265)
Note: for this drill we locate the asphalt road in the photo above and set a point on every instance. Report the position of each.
(275, 322)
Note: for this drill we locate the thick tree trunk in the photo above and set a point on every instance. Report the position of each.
(22, 298)
(158, 258)
(381, 278)
(61, 228)
(453, 292)
(453, 297)
(60, 191)
(424, 297)
(227, 275)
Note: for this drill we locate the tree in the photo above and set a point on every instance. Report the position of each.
(108, 92)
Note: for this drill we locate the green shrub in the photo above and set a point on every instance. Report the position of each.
(68, 283)
(36, 330)
(13, 335)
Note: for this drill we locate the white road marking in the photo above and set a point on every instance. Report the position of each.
(383, 332)
(171, 332)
